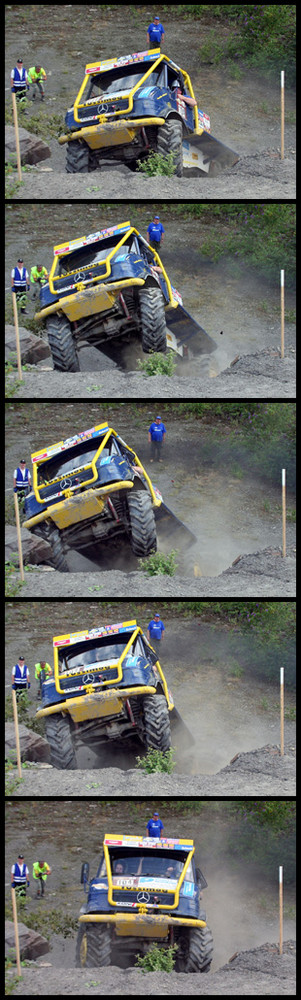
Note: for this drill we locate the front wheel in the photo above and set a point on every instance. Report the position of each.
(195, 951)
(58, 735)
(93, 946)
(170, 140)
(143, 534)
(153, 325)
(62, 344)
(77, 157)
(156, 723)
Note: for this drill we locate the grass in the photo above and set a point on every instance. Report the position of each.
(158, 364)
(157, 165)
(159, 564)
(157, 760)
(157, 959)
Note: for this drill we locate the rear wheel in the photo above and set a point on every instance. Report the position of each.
(156, 723)
(93, 946)
(153, 325)
(62, 344)
(78, 157)
(142, 523)
(170, 140)
(58, 735)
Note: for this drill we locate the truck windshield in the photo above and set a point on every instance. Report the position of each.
(86, 657)
(162, 864)
(69, 461)
(87, 256)
(121, 78)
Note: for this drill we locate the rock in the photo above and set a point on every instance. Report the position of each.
(35, 550)
(32, 746)
(31, 944)
(32, 148)
(33, 349)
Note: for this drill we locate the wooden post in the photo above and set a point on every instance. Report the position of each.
(15, 114)
(16, 322)
(282, 312)
(283, 515)
(282, 711)
(17, 516)
(15, 916)
(280, 910)
(282, 114)
(16, 722)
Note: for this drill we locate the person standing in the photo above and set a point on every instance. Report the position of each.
(22, 479)
(155, 233)
(155, 632)
(19, 80)
(20, 876)
(20, 676)
(36, 77)
(155, 33)
(155, 826)
(38, 274)
(156, 437)
(20, 283)
(40, 872)
(42, 672)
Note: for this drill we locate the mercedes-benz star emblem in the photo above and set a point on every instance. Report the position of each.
(65, 483)
(88, 679)
(143, 897)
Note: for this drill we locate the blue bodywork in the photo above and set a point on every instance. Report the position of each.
(110, 469)
(148, 101)
(136, 670)
(97, 892)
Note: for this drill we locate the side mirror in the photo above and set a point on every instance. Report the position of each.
(84, 875)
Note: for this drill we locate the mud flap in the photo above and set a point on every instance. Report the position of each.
(182, 329)
(180, 731)
(172, 529)
(203, 154)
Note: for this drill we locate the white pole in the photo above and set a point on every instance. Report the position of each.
(280, 909)
(282, 114)
(282, 312)
(16, 722)
(15, 114)
(283, 515)
(17, 516)
(16, 322)
(282, 711)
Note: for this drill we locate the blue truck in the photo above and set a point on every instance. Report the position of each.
(111, 285)
(146, 891)
(132, 106)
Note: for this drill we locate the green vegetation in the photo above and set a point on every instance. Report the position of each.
(157, 760)
(157, 959)
(159, 564)
(157, 165)
(158, 364)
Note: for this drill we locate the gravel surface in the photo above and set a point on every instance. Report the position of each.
(259, 772)
(260, 574)
(261, 375)
(260, 175)
(259, 972)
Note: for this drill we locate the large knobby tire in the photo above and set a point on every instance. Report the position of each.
(156, 722)
(77, 157)
(58, 735)
(53, 536)
(199, 951)
(170, 140)
(143, 534)
(62, 343)
(153, 325)
(93, 946)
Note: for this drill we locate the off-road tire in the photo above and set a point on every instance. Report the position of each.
(62, 344)
(199, 952)
(156, 722)
(143, 534)
(58, 735)
(152, 315)
(53, 536)
(77, 157)
(93, 946)
(170, 140)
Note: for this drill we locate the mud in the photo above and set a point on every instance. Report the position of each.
(244, 112)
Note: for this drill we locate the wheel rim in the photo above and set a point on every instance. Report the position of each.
(83, 950)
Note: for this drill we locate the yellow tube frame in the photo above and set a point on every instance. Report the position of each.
(159, 906)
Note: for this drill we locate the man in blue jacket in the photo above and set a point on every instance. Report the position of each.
(154, 826)
(155, 632)
(155, 233)
(155, 34)
(156, 435)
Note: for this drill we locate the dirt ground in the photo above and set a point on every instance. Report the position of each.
(244, 111)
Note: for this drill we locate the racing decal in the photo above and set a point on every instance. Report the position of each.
(94, 633)
(181, 106)
(203, 120)
(134, 57)
(176, 295)
(188, 889)
(92, 238)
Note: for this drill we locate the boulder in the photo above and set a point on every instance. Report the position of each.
(31, 943)
(32, 745)
(33, 349)
(32, 148)
(35, 550)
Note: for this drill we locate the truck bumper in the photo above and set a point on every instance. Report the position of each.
(96, 705)
(152, 925)
(89, 301)
(80, 507)
(106, 134)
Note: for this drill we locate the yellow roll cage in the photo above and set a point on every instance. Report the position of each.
(160, 906)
